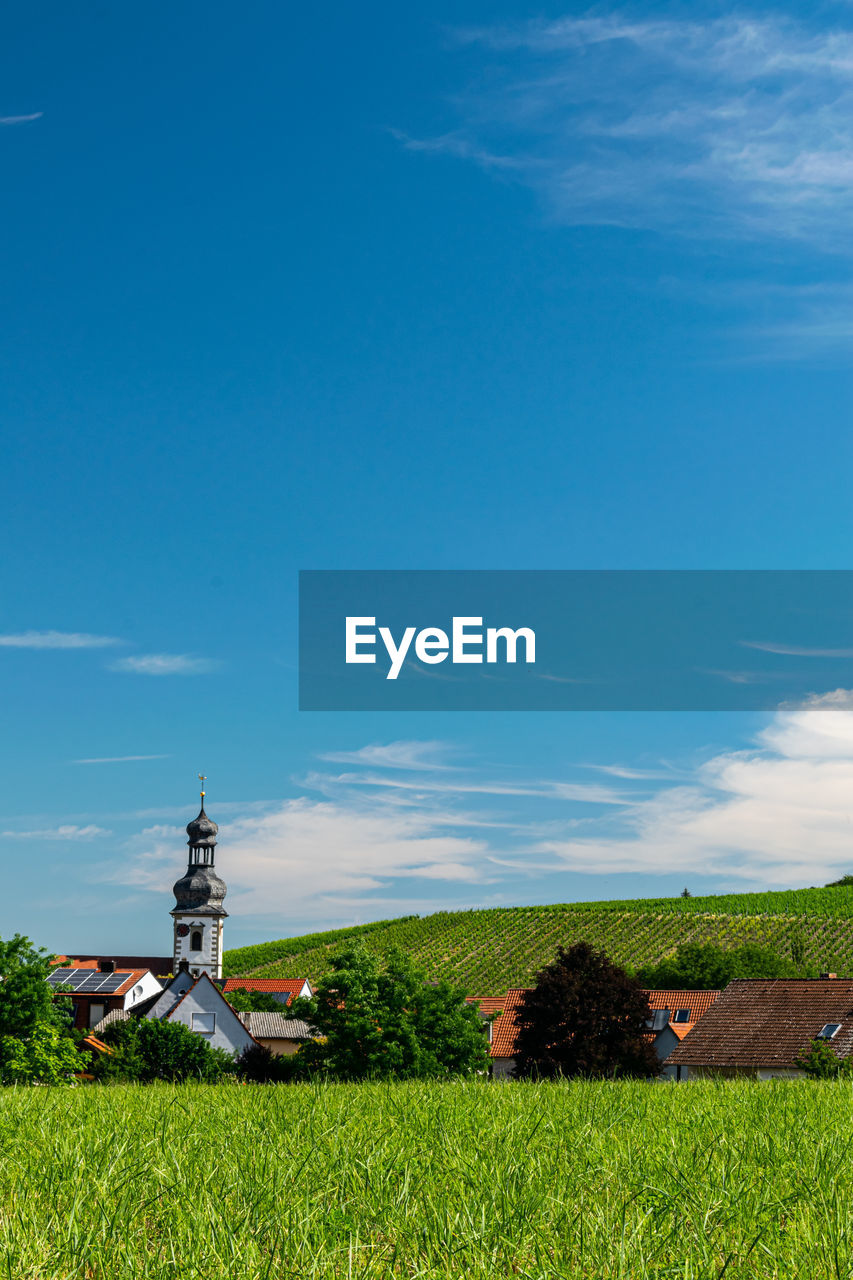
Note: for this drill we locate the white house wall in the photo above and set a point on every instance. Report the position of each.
(144, 989)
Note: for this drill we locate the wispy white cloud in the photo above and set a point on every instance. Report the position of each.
(165, 664)
(68, 832)
(795, 650)
(56, 640)
(778, 814)
(118, 759)
(738, 125)
(34, 115)
(587, 793)
(395, 755)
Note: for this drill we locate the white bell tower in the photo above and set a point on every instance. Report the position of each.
(199, 915)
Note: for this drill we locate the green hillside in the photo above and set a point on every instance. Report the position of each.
(492, 949)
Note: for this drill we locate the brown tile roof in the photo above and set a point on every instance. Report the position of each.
(763, 1022)
(158, 965)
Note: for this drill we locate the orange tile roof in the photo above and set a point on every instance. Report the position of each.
(680, 1029)
(98, 1045)
(698, 1002)
(276, 986)
(504, 1029)
(488, 1004)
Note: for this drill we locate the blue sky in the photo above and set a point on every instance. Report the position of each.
(468, 286)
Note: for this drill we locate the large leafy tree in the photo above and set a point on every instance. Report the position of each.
(26, 1000)
(35, 1038)
(704, 966)
(379, 1017)
(584, 1017)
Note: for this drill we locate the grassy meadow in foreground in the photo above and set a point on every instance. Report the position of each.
(468, 1180)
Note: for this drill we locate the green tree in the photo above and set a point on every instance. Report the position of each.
(36, 1044)
(821, 1063)
(147, 1049)
(378, 1017)
(46, 1056)
(26, 1000)
(247, 1001)
(584, 1017)
(705, 966)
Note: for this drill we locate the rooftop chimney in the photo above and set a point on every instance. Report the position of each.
(829, 975)
(106, 966)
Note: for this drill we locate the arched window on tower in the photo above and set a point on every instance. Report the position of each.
(195, 940)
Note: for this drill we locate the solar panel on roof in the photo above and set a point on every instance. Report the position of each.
(115, 980)
(87, 981)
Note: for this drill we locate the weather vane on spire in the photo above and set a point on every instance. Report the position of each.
(202, 777)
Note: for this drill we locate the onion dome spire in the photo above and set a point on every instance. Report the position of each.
(202, 833)
(200, 888)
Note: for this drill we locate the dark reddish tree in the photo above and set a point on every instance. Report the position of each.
(584, 1017)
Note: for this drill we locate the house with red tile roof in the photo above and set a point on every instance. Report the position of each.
(674, 1014)
(282, 989)
(99, 987)
(758, 1027)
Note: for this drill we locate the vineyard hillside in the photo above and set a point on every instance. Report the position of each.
(491, 949)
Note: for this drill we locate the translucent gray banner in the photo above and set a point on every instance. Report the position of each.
(573, 640)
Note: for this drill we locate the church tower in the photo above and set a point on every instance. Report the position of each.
(198, 913)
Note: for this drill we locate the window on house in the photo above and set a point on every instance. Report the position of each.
(195, 940)
(828, 1031)
(96, 1012)
(203, 1023)
(658, 1020)
(681, 1015)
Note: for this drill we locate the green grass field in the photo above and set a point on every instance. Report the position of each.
(460, 1180)
(490, 950)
